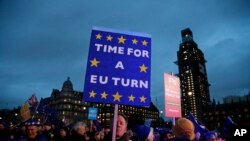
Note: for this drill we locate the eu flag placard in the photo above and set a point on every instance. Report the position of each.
(118, 68)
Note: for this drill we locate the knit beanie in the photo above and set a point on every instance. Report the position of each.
(32, 122)
(142, 132)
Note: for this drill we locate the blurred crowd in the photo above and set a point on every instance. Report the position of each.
(33, 130)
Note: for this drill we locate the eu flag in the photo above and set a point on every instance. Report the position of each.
(118, 68)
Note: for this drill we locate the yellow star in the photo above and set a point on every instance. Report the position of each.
(104, 95)
(143, 68)
(131, 98)
(94, 62)
(98, 36)
(144, 43)
(117, 97)
(134, 41)
(143, 99)
(122, 40)
(109, 38)
(92, 94)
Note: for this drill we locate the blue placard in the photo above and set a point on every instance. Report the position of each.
(118, 68)
(92, 113)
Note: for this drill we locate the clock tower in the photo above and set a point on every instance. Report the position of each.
(193, 76)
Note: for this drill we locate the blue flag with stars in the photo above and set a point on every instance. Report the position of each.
(118, 68)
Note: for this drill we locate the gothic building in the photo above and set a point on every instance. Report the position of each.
(236, 107)
(71, 108)
(193, 76)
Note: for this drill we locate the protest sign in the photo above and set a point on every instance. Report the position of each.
(118, 68)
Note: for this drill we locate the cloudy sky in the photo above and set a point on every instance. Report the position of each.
(42, 42)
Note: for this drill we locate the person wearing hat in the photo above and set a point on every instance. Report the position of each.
(183, 130)
(144, 133)
(32, 132)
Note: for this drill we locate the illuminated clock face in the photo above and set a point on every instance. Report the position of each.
(187, 37)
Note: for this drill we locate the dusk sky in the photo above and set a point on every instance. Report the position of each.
(42, 42)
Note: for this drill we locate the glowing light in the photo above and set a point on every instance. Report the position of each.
(189, 93)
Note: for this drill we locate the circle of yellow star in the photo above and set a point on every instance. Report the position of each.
(143, 99)
(98, 36)
(131, 98)
(121, 40)
(94, 62)
(144, 43)
(92, 94)
(109, 38)
(104, 95)
(117, 97)
(134, 41)
(143, 68)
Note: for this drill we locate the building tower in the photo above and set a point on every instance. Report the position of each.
(193, 76)
(68, 104)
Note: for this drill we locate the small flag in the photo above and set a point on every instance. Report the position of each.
(25, 111)
(33, 100)
(225, 132)
(45, 109)
(198, 127)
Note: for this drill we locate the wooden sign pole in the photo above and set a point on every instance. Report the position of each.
(115, 123)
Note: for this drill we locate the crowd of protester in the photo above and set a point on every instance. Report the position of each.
(33, 130)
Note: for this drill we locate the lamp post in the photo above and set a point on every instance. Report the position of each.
(161, 112)
(161, 118)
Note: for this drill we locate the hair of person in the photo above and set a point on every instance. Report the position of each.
(79, 124)
(124, 116)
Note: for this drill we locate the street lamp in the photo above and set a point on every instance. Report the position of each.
(161, 112)
(161, 118)
(189, 93)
